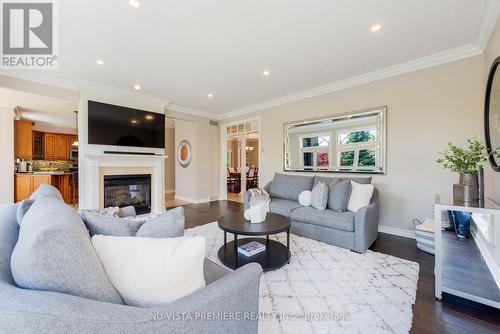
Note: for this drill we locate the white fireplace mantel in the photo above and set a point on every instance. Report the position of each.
(95, 162)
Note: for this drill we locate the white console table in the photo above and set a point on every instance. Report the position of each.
(468, 268)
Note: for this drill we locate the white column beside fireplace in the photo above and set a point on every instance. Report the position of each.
(100, 164)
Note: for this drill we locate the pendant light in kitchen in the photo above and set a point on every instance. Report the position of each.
(75, 143)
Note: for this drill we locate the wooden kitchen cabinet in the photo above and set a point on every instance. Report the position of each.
(23, 140)
(57, 146)
(61, 182)
(39, 179)
(50, 146)
(38, 145)
(62, 150)
(26, 184)
(23, 187)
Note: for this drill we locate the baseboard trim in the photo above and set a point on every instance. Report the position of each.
(195, 201)
(396, 231)
(171, 191)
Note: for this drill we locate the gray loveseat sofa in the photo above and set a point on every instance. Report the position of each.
(354, 231)
(30, 311)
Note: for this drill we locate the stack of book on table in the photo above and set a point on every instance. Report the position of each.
(251, 248)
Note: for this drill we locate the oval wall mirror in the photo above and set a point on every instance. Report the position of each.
(184, 154)
(492, 113)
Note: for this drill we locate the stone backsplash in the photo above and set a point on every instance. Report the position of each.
(59, 164)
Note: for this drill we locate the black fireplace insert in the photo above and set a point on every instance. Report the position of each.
(126, 190)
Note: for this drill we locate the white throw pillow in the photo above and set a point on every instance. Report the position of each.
(305, 198)
(361, 195)
(150, 272)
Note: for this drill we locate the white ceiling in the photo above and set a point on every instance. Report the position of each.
(42, 110)
(184, 50)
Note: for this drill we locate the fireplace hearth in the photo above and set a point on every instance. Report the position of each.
(126, 190)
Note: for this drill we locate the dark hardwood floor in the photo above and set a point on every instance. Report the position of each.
(452, 315)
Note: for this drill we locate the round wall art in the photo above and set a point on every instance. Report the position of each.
(184, 154)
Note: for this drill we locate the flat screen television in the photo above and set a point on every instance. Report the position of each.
(121, 126)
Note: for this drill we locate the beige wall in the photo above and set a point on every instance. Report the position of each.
(200, 181)
(186, 177)
(426, 110)
(492, 179)
(170, 161)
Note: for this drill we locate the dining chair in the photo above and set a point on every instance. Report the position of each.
(251, 178)
(231, 181)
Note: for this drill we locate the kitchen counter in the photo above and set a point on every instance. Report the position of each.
(46, 173)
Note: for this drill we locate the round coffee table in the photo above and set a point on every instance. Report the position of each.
(276, 254)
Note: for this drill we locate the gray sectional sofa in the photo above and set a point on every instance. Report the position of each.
(354, 231)
(35, 311)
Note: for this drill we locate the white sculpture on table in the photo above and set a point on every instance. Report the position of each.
(257, 213)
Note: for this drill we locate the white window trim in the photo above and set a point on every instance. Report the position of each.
(356, 147)
(316, 149)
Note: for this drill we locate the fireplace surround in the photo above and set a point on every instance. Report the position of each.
(97, 165)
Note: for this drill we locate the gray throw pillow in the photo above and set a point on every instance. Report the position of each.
(339, 196)
(23, 208)
(326, 179)
(319, 196)
(360, 180)
(168, 224)
(107, 225)
(127, 212)
(46, 190)
(287, 186)
(54, 253)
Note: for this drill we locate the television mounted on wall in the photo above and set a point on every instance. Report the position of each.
(114, 125)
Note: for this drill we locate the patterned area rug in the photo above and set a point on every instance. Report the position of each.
(327, 289)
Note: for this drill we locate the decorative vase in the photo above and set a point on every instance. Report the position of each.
(480, 180)
(467, 189)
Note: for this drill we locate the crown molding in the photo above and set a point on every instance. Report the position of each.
(410, 66)
(71, 89)
(192, 111)
(60, 89)
(486, 23)
(40, 78)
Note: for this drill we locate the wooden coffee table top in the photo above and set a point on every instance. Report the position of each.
(237, 224)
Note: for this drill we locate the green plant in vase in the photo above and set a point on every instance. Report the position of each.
(467, 162)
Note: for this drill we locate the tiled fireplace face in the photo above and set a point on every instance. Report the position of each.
(125, 190)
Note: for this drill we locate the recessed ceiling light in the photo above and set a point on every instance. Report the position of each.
(210, 96)
(376, 27)
(99, 62)
(266, 73)
(134, 3)
(133, 121)
(149, 117)
(137, 87)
